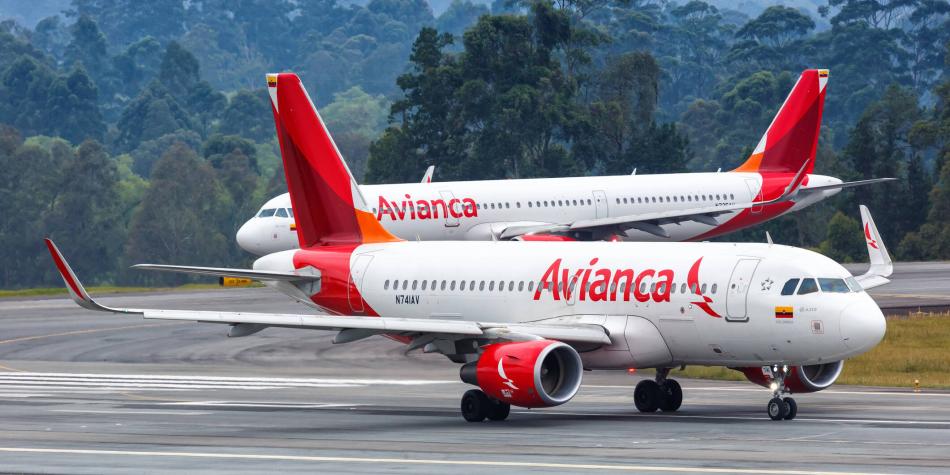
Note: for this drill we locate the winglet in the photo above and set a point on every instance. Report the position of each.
(881, 263)
(427, 178)
(74, 286)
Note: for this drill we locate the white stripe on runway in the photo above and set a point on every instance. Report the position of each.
(411, 462)
(220, 379)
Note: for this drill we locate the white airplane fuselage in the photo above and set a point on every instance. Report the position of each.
(664, 304)
(480, 210)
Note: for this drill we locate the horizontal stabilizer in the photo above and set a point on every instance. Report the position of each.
(226, 272)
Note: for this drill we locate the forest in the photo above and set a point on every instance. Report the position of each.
(141, 131)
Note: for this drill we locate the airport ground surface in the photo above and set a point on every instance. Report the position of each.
(82, 392)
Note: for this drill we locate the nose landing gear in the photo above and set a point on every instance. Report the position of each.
(662, 393)
(780, 408)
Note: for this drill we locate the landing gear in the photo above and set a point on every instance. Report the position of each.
(477, 406)
(780, 408)
(663, 394)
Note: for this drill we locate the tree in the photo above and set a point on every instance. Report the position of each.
(777, 27)
(248, 114)
(88, 46)
(152, 114)
(843, 241)
(86, 212)
(179, 219)
(73, 107)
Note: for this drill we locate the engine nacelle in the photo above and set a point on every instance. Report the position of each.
(800, 379)
(537, 373)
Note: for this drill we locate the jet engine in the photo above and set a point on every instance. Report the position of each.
(544, 237)
(800, 379)
(537, 373)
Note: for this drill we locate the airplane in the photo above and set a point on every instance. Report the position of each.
(526, 319)
(776, 179)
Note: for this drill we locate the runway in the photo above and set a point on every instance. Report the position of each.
(82, 392)
(914, 286)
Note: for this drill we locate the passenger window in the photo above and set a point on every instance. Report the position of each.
(575, 202)
(589, 202)
(702, 290)
(414, 284)
(683, 288)
(833, 285)
(491, 285)
(424, 282)
(443, 285)
(808, 287)
(511, 286)
(267, 213)
(452, 285)
(517, 204)
(481, 285)
(529, 204)
(386, 285)
(643, 287)
(471, 285)
(501, 286)
(462, 285)
(530, 286)
(789, 287)
(405, 284)
(714, 287)
(520, 286)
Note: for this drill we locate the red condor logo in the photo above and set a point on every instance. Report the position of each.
(867, 236)
(426, 209)
(610, 285)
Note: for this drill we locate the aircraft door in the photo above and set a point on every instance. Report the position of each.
(738, 290)
(357, 272)
(453, 208)
(600, 203)
(755, 191)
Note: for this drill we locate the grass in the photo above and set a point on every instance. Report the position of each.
(105, 289)
(916, 347)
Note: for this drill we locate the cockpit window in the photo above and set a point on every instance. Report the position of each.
(833, 285)
(290, 212)
(266, 213)
(853, 284)
(281, 213)
(789, 288)
(809, 286)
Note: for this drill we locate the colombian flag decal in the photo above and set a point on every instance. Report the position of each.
(784, 312)
(822, 73)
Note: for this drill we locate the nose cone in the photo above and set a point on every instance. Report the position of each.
(248, 239)
(862, 325)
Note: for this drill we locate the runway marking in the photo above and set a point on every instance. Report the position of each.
(908, 392)
(84, 332)
(276, 405)
(156, 378)
(740, 418)
(7, 368)
(122, 411)
(410, 461)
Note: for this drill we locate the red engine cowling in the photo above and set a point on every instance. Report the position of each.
(800, 379)
(544, 237)
(538, 373)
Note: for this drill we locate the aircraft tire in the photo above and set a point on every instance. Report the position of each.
(475, 405)
(497, 410)
(671, 395)
(792, 408)
(647, 396)
(777, 409)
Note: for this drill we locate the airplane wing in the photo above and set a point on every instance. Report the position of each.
(881, 265)
(427, 178)
(227, 272)
(652, 222)
(351, 328)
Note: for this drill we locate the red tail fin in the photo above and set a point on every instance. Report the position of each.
(328, 205)
(792, 139)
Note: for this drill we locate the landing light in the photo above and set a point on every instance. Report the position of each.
(773, 386)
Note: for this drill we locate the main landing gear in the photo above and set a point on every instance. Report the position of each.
(780, 408)
(477, 406)
(662, 393)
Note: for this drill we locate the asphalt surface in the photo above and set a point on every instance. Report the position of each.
(84, 392)
(914, 285)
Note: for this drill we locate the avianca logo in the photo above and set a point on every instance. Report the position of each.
(611, 285)
(598, 285)
(867, 236)
(426, 209)
(692, 281)
(507, 392)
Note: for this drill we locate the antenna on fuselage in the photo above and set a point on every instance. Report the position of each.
(634, 171)
(718, 169)
(768, 238)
